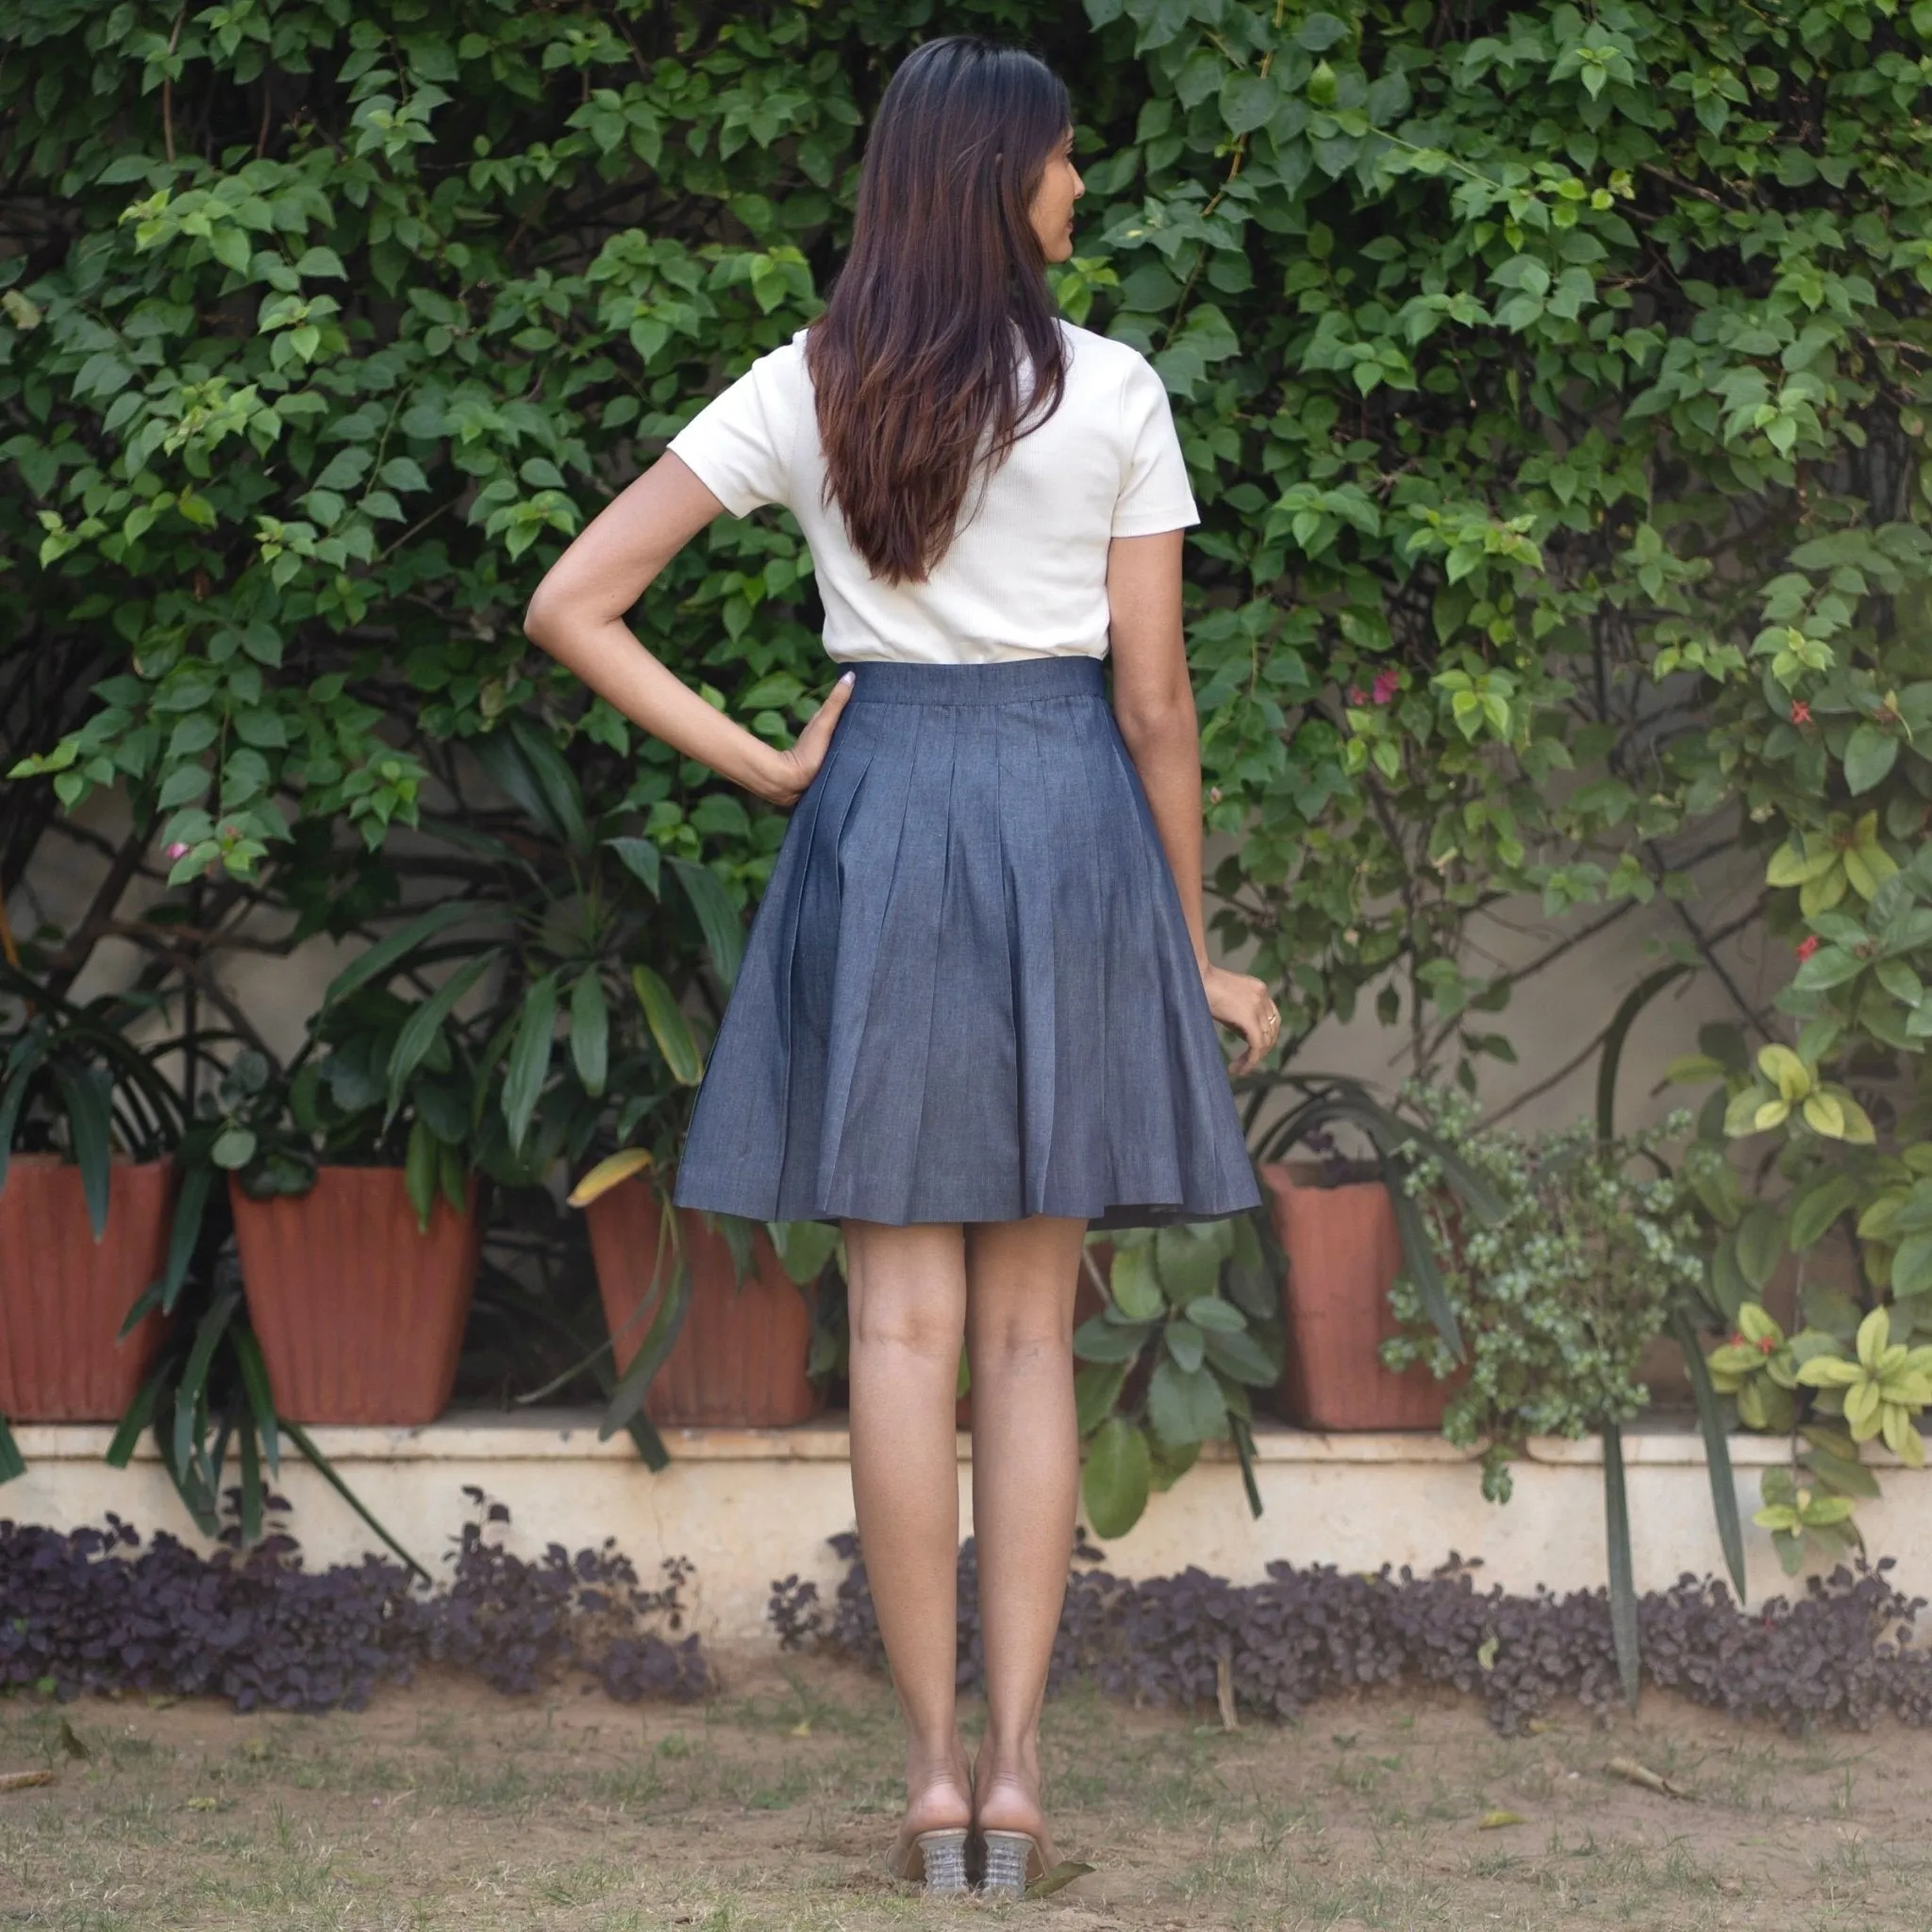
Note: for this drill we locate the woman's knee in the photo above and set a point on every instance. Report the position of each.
(924, 1325)
(1018, 1334)
(906, 1288)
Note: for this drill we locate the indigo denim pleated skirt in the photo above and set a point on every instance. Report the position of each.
(969, 994)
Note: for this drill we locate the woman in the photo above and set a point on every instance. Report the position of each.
(975, 1015)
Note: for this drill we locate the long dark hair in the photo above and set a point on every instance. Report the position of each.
(913, 361)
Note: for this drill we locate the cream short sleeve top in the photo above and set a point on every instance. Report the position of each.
(1025, 575)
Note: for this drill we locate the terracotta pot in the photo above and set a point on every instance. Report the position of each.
(360, 1312)
(63, 1295)
(1343, 1255)
(739, 1360)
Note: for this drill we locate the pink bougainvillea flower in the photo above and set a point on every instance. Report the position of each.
(1357, 696)
(1387, 684)
(1808, 945)
(177, 850)
(1800, 711)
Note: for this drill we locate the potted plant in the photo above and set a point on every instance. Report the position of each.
(353, 1194)
(88, 1129)
(614, 941)
(1345, 1229)
(712, 1318)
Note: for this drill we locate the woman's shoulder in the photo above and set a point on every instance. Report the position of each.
(1104, 365)
(1103, 354)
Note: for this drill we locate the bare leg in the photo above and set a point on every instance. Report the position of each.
(1026, 1485)
(907, 1296)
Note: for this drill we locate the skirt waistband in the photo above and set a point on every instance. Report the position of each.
(1011, 681)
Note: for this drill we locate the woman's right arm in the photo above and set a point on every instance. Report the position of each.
(577, 615)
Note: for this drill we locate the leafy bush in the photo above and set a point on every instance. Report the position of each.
(1842, 1652)
(1560, 1295)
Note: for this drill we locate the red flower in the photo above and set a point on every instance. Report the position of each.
(1737, 1339)
(1766, 1345)
(1387, 684)
(1357, 696)
(1808, 945)
(1800, 711)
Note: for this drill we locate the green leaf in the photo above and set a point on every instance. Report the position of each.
(530, 1059)
(642, 860)
(1623, 1629)
(420, 1163)
(332, 1476)
(804, 1248)
(1131, 1283)
(1184, 1407)
(1210, 1311)
(184, 1231)
(1247, 102)
(1912, 1266)
(528, 767)
(669, 1027)
(1185, 1344)
(1716, 1450)
(627, 1398)
(1242, 1359)
(1188, 1265)
(84, 1093)
(717, 918)
(11, 1461)
(590, 1031)
(1098, 1339)
(1760, 1240)
(1115, 1483)
(1818, 1202)
(424, 1023)
(1096, 1388)
(249, 1359)
(383, 958)
(1869, 754)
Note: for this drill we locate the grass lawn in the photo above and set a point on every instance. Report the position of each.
(770, 1806)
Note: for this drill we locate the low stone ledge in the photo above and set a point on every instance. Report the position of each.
(750, 1506)
(570, 1435)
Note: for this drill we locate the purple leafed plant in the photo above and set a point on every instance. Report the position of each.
(95, 1610)
(1842, 1652)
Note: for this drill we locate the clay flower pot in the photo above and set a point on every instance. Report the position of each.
(1343, 1255)
(360, 1312)
(63, 1295)
(739, 1360)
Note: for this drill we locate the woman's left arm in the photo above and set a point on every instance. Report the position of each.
(1154, 705)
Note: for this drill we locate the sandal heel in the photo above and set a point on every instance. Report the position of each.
(945, 1856)
(1008, 1854)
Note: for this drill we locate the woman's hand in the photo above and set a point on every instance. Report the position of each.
(1243, 1004)
(792, 771)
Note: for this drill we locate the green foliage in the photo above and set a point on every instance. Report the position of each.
(1548, 381)
(1192, 1322)
(73, 1083)
(1561, 1295)
(1553, 382)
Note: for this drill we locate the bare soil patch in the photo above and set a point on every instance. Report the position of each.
(770, 1806)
